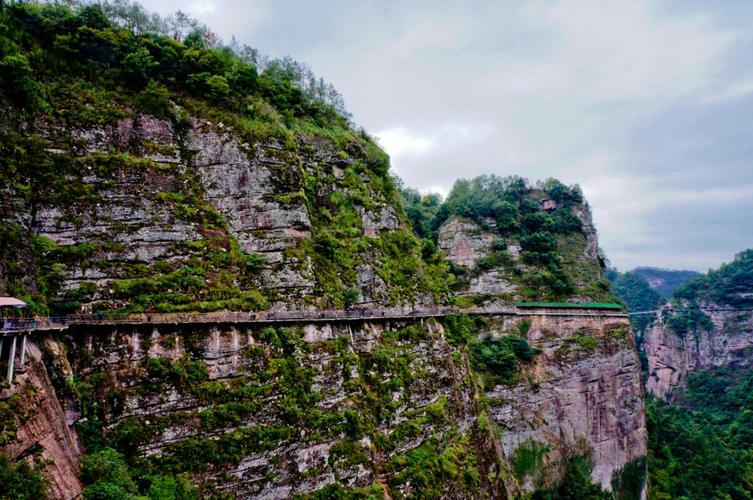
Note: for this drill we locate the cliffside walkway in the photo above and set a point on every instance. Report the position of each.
(321, 316)
(325, 316)
(15, 329)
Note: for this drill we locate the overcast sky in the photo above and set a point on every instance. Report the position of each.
(647, 105)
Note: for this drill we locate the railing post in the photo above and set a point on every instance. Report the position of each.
(11, 360)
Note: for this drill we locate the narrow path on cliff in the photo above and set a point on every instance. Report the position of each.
(110, 319)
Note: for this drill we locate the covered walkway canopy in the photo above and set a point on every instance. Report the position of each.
(11, 302)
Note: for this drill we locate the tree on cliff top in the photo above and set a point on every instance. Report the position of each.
(731, 284)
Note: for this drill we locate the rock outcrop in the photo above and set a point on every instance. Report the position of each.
(672, 357)
(146, 197)
(494, 263)
(276, 413)
(35, 428)
(582, 396)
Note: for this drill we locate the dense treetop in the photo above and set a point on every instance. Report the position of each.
(145, 55)
(702, 447)
(731, 284)
(552, 238)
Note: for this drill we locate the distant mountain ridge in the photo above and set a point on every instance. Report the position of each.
(665, 281)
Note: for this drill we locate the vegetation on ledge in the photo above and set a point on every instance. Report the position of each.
(540, 219)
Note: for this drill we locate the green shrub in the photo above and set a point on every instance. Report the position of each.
(576, 484)
(106, 476)
(155, 100)
(177, 487)
(20, 480)
(501, 356)
(528, 458)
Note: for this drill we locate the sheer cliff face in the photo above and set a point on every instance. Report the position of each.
(671, 357)
(275, 412)
(34, 426)
(149, 198)
(154, 213)
(582, 396)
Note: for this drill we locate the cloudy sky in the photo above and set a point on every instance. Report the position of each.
(647, 105)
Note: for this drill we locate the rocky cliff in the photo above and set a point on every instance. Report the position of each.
(155, 214)
(142, 174)
(394, 406)
(497, 264)
(708, 325)
(726, 343)
(149, 216)
(35, 427)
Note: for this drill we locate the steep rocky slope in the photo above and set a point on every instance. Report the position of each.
(726, 342)
(274, 412)
(35, 427)
(708, 326)
(163, 230)
(155, 192)
(495, 267)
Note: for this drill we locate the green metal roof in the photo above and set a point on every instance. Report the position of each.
(569, 305)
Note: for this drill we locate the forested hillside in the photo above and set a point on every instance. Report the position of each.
(701, 446)
(699, 363)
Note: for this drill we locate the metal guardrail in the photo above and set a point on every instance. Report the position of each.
(260, 316)
(10, 325)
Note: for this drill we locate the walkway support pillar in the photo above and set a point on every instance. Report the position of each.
(23, 349)
(11, 360)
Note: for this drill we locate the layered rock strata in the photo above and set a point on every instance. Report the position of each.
(274, 412)
(672, 358)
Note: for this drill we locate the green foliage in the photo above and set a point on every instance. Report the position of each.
(336, 491)
(529, 458)
(629, 482)
(421, 210)
(155, 99)
(501, 356)
(701, 446)
(138, 66)
(690, 319)
(106, 476)
(562, 194)
(576, 484)
(429, 468)
(637, 295)
(177, 487)
(20, 480)
(731, 284)
(459, 329)
(16, 83)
